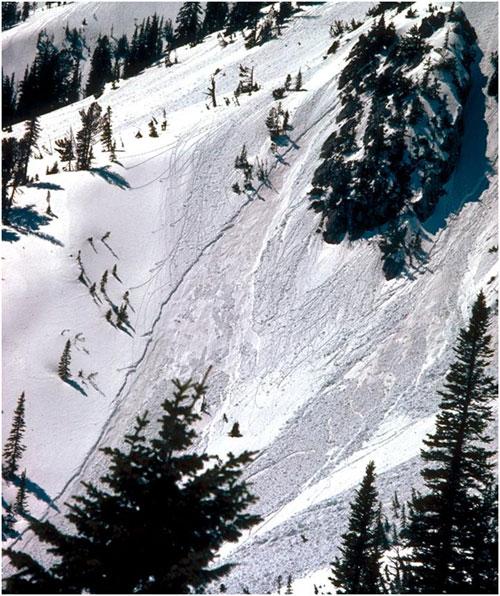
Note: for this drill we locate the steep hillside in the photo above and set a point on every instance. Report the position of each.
(324, 363)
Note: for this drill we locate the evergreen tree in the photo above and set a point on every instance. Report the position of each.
(10, 14)
(215, 17)
(21, 505)
(358, 569)
(444, 523)
(189, 24)
(298, 81)
(14, 447)
(30, 139)
(158, 521)
(63, 369)
(243, 14)
(86, 136)
(107, 134)
(12, 151)
(101, 67)
(9, 99)
(66, 149)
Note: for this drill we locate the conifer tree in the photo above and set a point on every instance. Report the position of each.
(298, 81)
(357, 571)
(63, 369)
(189, 24)
(107, 134)
(9, 100)
(66, 149)
(101, 67)
(215, 17)
(14, 447)
(28, 144)
(177, 506)
(21, 505)
(152, 129)
(86, 136)
(458, 470)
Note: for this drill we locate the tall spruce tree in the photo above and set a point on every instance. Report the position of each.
(447, 519)
(63, 369)
(21, 504)
(87, 135)
(66, 149)
(9, 100)
(14, 447)
(357, 571)
(31, 136)
(215, 17)
(101, 67)
(189, 24)
(107, 133)
(158, 522)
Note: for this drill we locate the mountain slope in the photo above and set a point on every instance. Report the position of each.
(323, 362)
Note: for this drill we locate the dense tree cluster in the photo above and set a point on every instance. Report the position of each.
(14, 12)
(410, 141)
(445, 540)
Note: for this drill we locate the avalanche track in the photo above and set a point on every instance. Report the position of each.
(324, 363)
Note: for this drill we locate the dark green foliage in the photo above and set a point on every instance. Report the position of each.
(87, 135)
(49, 83)
(453, 523)
(66, 149)
(101, 67)
(63, 368)
(189, 24)
(145, 47)
(29, 143)
(215, 17)
(12, 172)
(14, 447)
(10, 14)
(9, 100)
(156, 522)
(107, 134)
(357, 571)
(21, 505)
(243, 14)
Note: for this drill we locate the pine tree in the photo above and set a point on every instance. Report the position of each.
(235, 431)
(215, 17)
(28, 144)
(21, 505)
(101, 67)
(177, 508)
(86, 136)
(188, 21)
(298, 81)
(63, 369)
(358, 569)
(9, 100)
(458, 469)
(14, 447)
(107, 134)
(66, 149)
(152, 129)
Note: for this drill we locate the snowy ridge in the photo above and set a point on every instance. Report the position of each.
(323, 362)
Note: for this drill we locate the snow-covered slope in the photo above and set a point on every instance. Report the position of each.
(324, 363)
(91, 18)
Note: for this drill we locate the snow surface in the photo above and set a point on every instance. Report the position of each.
(324, 364)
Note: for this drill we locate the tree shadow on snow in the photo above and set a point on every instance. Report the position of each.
(45, 185)
(36, 490)
(469, 179)
(111, 177)
(27, 220)
(75, 385)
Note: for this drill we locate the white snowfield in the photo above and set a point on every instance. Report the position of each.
(324, 364)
